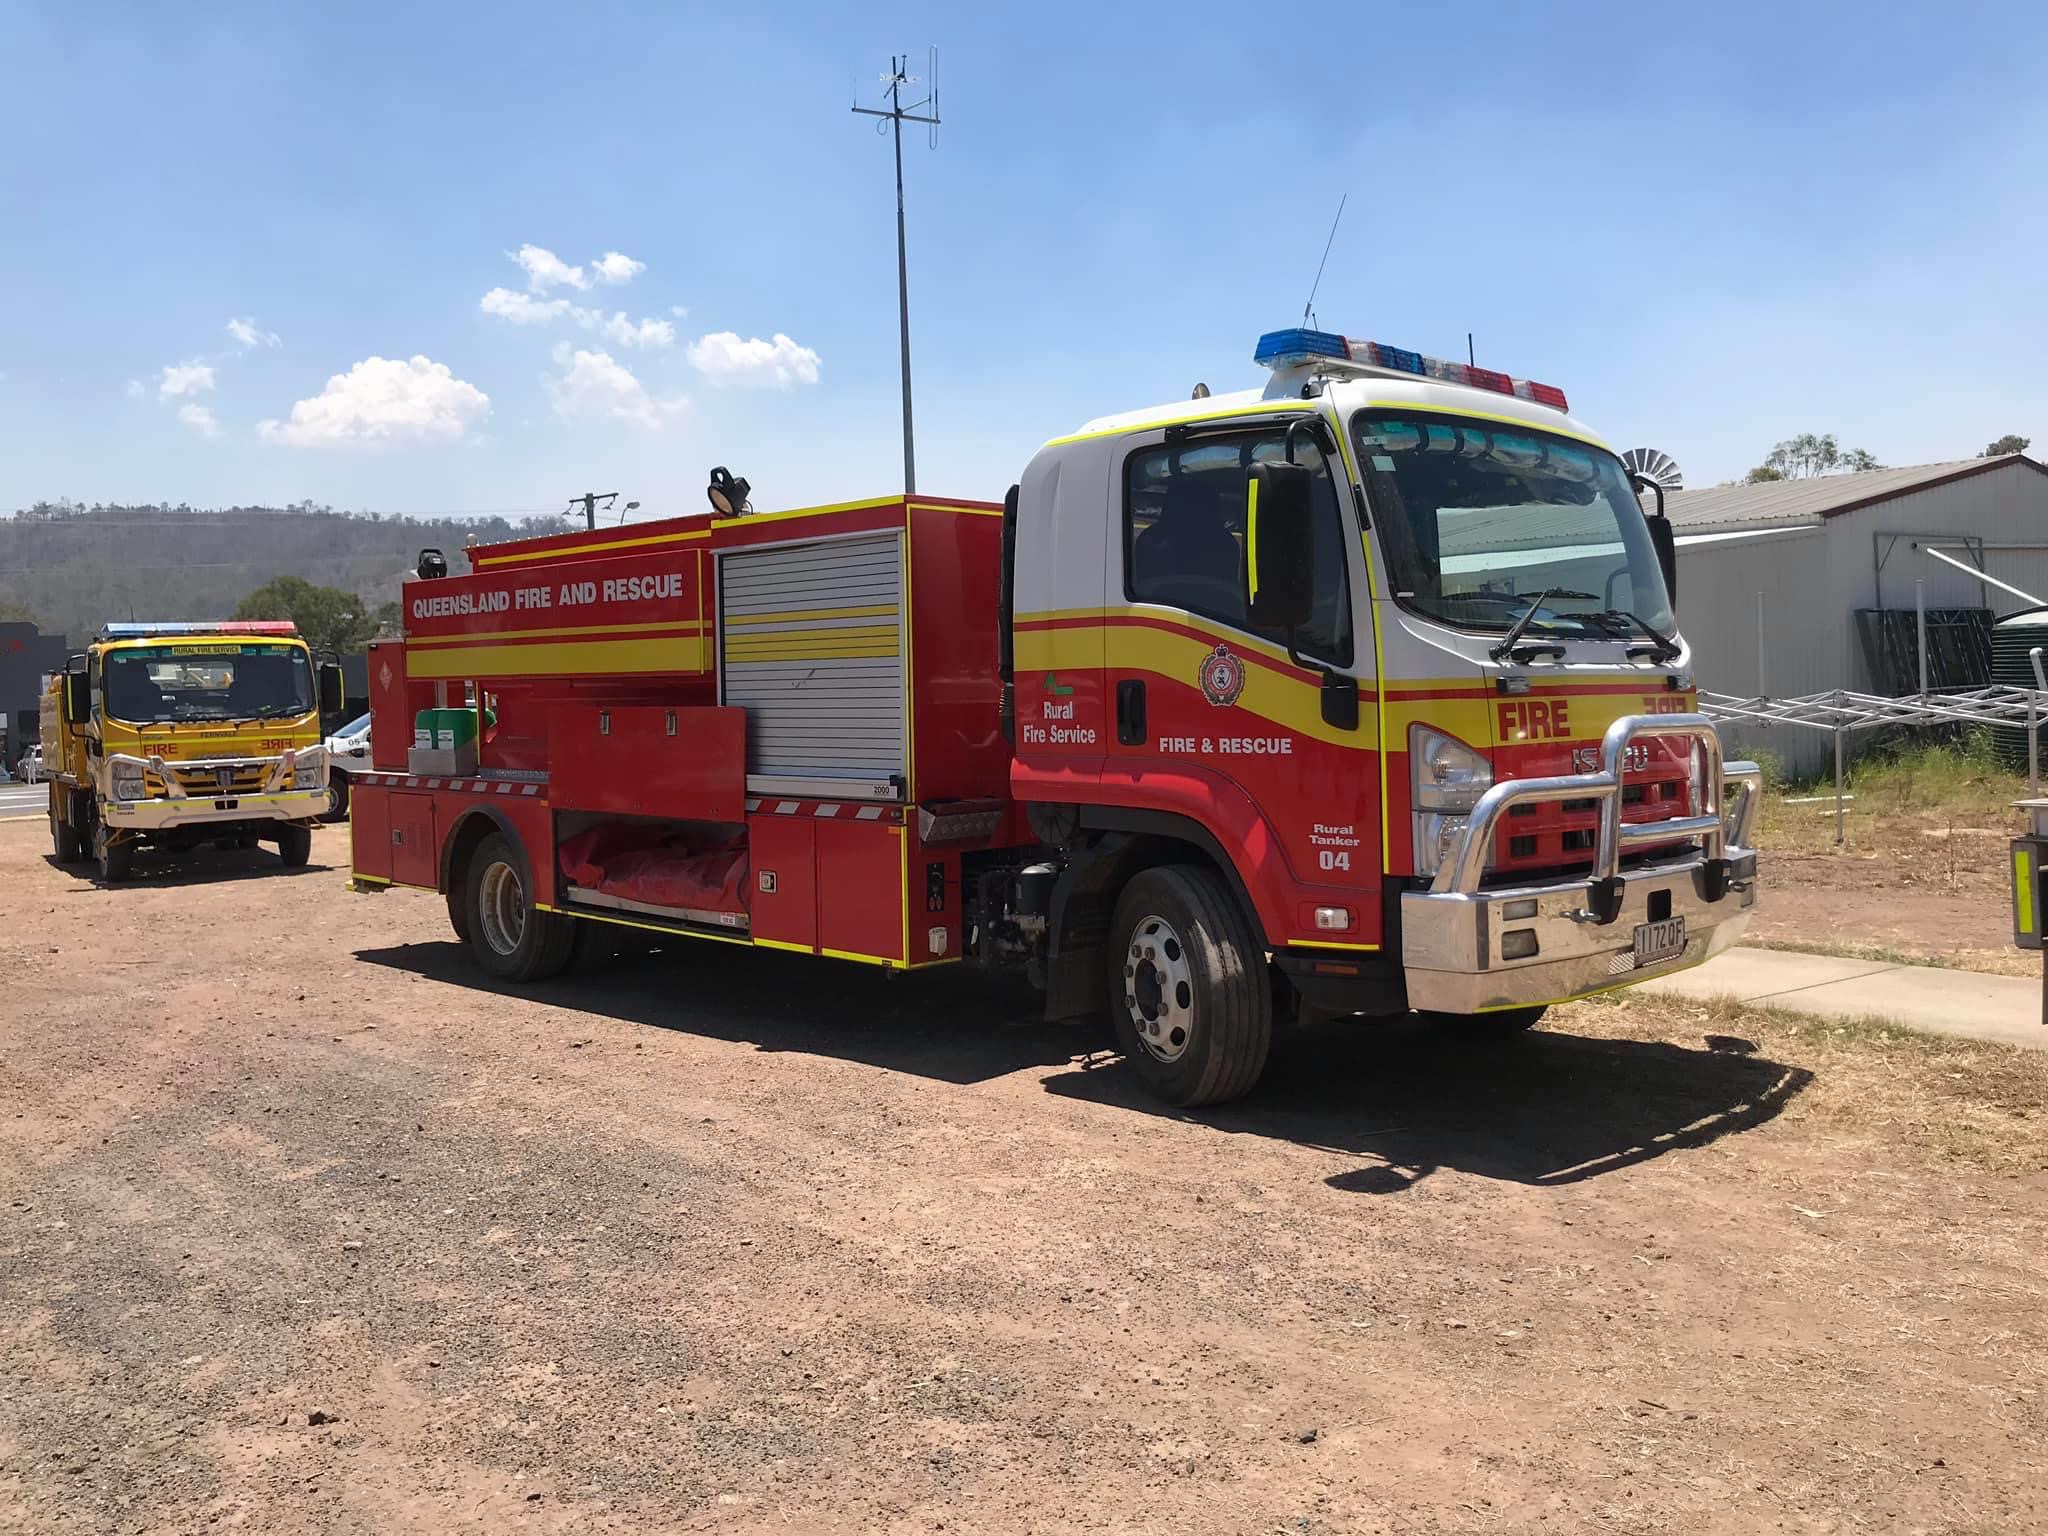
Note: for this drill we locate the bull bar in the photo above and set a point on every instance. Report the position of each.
(278, 798)
(1568, 937)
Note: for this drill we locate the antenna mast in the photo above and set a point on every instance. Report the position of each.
(897, 115)
(1312, 287)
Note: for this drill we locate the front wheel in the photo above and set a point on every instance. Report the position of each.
(1499, 1024)
(1188, 987)
(294, 846)
(337, 797)
(511, 937)
(116, 859)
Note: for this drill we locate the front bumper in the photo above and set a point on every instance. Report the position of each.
(159, 815)
(1575, 937)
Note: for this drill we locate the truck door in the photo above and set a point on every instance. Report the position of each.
(1212, 717)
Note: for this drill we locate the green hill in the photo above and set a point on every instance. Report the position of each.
(71, 567)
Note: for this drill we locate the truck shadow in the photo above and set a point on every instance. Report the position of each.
(1546, 1108)
(201, 866)
(956, 1025)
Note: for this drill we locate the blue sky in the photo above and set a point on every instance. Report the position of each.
(1713, 230)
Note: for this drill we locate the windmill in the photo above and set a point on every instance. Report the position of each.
(1656, 466)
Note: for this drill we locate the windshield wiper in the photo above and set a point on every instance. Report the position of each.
(1513, 637)
(1659, 648)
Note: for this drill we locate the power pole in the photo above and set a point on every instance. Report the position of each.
(898, 114)
(588, 502)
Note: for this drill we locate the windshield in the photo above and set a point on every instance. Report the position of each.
(207, 682)
(1480, 520)
(355, 727)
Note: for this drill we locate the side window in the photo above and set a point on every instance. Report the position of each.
(1184, 535)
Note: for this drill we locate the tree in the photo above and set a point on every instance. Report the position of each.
(15, 613)
(2012, 442)
(329, 618)
(1808, 455)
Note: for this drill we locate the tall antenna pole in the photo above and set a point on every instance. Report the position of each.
(897, 115)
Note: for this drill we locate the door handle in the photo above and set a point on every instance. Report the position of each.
(1130, 712)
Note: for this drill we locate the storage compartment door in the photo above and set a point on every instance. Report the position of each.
(811, 647)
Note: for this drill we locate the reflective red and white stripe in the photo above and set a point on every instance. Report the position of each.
(460, 786)
(824, 810)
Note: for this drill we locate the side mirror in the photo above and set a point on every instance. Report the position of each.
(1279, 546)
(1661, 537)
(330, 689)
(77, 693)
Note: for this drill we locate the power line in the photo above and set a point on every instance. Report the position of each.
(897, 115)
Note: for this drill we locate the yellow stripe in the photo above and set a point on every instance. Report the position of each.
(793, 615)
(1328, 944)
(795, 949)
(368, 879)
(1263, 408)
(1251, 536)
(909, 713)
(479, 638)
(682, 654)
(903, 849)
(753, 518)
(627, 922)
(925, 506)
(847, 954)
(478, 557)
(1513, 421)
(2023, 888)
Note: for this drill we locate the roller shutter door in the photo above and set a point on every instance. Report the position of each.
(811, 646)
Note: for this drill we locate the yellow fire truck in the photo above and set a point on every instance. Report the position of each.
(181, 734)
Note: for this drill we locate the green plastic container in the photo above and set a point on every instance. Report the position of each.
(444, 729)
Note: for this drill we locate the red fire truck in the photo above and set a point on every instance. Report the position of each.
(1359, 693)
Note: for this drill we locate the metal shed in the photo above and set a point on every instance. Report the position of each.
(1772, 577)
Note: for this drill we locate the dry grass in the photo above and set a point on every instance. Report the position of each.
(1938, 793)
(1933, 1099)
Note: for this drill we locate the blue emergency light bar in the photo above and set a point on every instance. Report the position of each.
(150, 631)
(1298, 345)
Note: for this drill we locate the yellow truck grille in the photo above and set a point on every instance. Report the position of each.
(201, 780)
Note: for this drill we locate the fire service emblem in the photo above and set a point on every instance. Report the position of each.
(1222, 676)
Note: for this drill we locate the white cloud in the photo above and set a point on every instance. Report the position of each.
(615, 268)
(184, 379)
(545, 270)
(678, 310)
(523, 308)
(135, 389)
(593, 384)
(200, 419)
(628, 333)
(726, 359)
(384, 400)
(247, 335)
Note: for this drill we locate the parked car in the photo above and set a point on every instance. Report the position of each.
(348, 752)
(32, 765)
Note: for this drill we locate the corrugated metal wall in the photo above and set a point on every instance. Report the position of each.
(1812, 581)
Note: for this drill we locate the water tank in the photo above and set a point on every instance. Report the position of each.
(2012, 637)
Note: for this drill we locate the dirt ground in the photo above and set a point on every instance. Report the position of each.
(1928, 886)
(740, 1242)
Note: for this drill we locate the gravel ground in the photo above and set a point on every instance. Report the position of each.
(304, 1227)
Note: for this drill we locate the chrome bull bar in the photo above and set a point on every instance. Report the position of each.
(1718, 830)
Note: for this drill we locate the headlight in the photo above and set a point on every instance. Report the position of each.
(1447, 774)
(310, 771)
(1435, 837)
(124, 781)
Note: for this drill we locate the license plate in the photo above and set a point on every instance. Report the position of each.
(1659, 941)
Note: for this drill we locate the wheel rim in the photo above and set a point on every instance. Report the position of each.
(1159, 989)
(334, 799)
(501, 901)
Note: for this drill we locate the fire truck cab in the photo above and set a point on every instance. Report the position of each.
(1361, 692)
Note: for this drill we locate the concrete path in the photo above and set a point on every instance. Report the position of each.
(1942, 1002)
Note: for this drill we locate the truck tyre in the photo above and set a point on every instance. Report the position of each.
(337, 798)
(117, 860)
(294, 846)
(1188, 987)
(510, 937)
(1499, 1024)
(69, 848)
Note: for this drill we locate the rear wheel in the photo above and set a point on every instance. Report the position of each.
(294, 845)
(1499, 1024)
(1188, 987)
(116, 859)
(511, 937)
(69, 847)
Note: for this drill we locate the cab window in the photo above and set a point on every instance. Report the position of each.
(1184, 534)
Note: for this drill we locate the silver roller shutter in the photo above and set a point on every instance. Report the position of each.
(811, 646)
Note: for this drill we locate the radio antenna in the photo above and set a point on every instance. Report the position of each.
(1306, 309)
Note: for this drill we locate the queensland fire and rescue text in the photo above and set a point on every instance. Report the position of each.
(1218, 713)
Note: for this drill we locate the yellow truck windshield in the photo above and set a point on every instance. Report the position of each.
(206, 682)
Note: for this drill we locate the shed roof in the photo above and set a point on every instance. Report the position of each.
(1796, 503)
